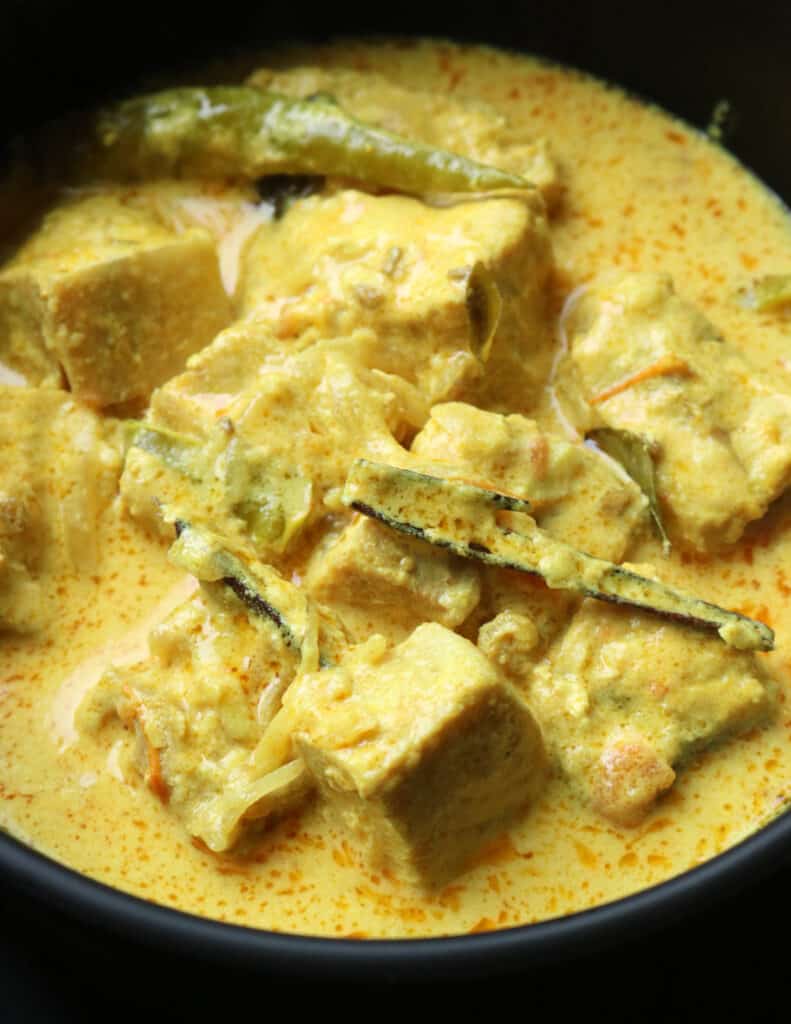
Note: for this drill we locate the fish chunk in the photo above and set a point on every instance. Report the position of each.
(624, 702)
(272, 434)
(456, 295)
(650, 363)
(422, 752)
(378, 581)
(574, 493)
(200, 707)
(59, 468)
(104, 296)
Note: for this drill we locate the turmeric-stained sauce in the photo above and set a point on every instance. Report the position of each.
(413, 743)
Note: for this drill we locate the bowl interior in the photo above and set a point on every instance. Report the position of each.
(56, 56)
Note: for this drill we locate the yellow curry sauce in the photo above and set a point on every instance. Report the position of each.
(638, 192)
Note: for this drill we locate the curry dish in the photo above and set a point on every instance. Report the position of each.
(393, 529)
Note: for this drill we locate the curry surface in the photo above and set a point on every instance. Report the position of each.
(642, 192)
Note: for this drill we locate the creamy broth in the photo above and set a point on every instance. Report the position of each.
(640, 192)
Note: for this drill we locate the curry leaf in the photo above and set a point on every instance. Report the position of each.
(635, 454)
(484, 307)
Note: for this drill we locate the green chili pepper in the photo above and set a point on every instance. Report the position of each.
(463, 518)
(241, 132)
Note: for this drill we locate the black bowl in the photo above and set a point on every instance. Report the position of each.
(55, 56)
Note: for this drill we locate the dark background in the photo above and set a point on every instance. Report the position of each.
(687, 55)
(729, 960)
(729, 963)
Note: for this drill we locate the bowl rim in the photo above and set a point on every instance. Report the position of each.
(121, 915)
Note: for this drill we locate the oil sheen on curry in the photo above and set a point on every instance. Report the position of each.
(393, 530)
